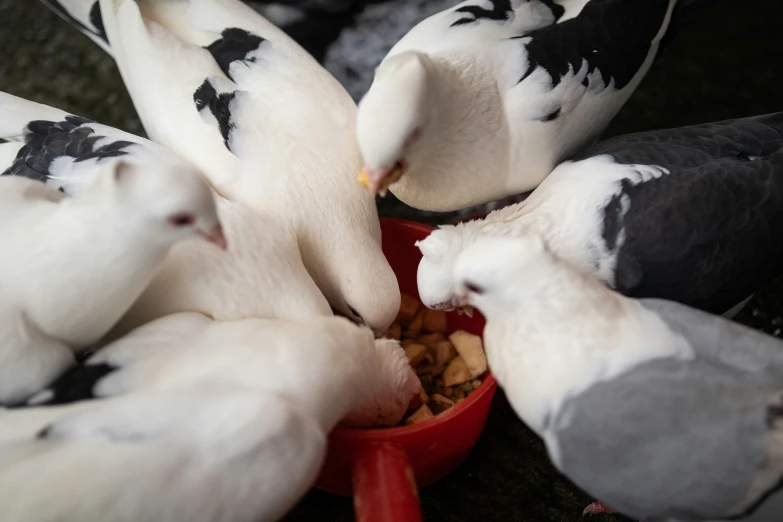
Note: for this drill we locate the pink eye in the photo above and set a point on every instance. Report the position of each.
(182, 219)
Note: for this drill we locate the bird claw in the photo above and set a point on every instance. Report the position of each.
(597, 508)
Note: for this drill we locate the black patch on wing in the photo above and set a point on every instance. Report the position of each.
(775, 413)
(234, 45)
(95, 18)
(553, 115)
(77, 384)
(557, 10)
(218, 104)
(613, 36)
(45, 433)
(706, 234)
(45, 141)
(501, 10)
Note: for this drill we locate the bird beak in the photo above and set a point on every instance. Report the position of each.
(378, 180)
(215, 236)
(466, 309)
(463, 301)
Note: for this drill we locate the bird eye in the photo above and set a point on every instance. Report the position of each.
(182, 219)
(474, 288)
(354, 312)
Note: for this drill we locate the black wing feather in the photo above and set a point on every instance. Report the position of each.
(77, 384)
(45, 141)
(708, 233)
(612, 36)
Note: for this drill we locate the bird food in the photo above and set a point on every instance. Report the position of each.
(449, 366)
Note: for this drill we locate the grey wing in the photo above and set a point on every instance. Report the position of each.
(65, 154)
(695, 145)
(684, 440)
(726, 342)
(705, 233)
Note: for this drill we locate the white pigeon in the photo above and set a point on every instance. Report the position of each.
(660, 410)
(632, 212)
(481, 101)
(221, 86)
(79, 263)
(329, 354)
(260, 274)
(199, 420)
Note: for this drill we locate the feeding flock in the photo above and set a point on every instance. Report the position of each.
(170, 341)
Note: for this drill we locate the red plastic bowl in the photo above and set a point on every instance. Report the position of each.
(382, 467)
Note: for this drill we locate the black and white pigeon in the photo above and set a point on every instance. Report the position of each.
(270, 128)
(692, 215)
(197, 420)
(76, 265)
(481, 101)
(259, 274)
(660, 410)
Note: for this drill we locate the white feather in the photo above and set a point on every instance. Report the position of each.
(203, 419)
(524, 286)
(294, 154)
(316, 353)
(114, 237)
(480, 131)
(193, 454)
(565, 210)
(261, 274)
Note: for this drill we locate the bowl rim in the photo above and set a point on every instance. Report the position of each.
(487, 384)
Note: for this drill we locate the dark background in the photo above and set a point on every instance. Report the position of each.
(725, 64)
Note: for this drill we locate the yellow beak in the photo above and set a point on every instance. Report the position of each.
(380, 184)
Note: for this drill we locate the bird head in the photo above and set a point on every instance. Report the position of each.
(497, 274)
(170, 198)
(392, 118)
(335, 369)
(368, 291)
(435, 276)
(391, 384)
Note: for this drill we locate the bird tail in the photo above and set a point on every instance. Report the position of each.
(17, 113)
(84, 15)
(685, 11)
